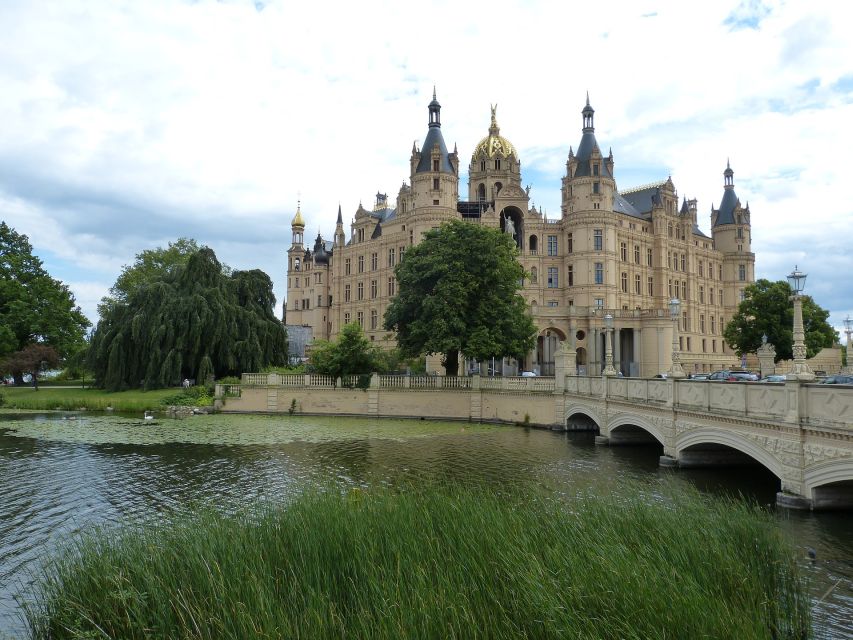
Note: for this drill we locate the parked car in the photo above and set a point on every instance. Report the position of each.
(773, 378)
(734, 376)
(699, 376)
(839, 379)
(720, 375)
(528, 374)
(743, 376)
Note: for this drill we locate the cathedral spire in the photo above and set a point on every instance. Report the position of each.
(340, 218)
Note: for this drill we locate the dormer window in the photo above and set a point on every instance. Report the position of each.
(595, 169)
(497, 164)
(435, 164)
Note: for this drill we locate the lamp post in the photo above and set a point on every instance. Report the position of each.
(848, 329)
(674, 309)
(608, 346)
(799, 370)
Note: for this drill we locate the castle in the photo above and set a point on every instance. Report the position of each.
(625, 254)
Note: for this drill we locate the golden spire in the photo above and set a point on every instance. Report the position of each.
(297, 219)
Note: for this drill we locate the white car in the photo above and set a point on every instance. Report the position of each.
(528, 374)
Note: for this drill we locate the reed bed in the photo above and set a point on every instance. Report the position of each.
(435, 563)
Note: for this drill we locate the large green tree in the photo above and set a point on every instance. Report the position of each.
(193, 322)
(458, 294)
(34, 308)
(767, 310)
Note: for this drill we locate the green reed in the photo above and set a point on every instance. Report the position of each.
(435, 563)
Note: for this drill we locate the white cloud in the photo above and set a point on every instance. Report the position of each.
(127, 125)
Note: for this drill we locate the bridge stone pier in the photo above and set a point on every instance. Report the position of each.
(802, 433)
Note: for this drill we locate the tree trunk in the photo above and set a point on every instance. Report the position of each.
(451, 363)
(18, 378)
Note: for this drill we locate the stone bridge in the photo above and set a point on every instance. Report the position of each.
(802, 433)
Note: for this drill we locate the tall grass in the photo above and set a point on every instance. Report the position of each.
(436, 563)
(91, 399)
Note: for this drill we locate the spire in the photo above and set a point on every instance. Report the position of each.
(434, 111)
(340, 218)
(588, 112)
(298, 221)
(728, 176)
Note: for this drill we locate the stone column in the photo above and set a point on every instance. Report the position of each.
(617, 349)
(799, 370)
(592, 355)
(638, 350)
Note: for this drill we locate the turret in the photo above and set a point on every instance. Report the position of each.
(732, 233)
(340, 238)
(435, 172)
(588, 183)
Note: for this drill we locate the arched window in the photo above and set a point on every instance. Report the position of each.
(481, 193)
(497, 164)
(498, 187)
(482, 165)
(534, 245)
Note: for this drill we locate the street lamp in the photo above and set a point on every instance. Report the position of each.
(674, 309)
(608, 346)
(848, 329)
(799, 370)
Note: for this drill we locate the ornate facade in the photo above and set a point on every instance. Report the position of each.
(626, 253)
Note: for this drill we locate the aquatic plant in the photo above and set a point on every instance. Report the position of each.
(435, 563)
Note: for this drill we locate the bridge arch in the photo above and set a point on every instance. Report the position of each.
(829, 484)
(629, 423)
(698, 437)
(587, 412)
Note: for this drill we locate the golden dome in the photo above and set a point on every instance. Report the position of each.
(494, 144)
(297, 219)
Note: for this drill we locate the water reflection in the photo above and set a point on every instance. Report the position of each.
(57, 477)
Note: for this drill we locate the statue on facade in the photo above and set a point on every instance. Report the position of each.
(509, 226)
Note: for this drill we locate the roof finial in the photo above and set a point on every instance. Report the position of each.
(433, 92)
(587, 97)
(728, 164)
(340, 218)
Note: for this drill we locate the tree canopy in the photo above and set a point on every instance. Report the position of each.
(193, 321)
(351, 353)
(34, 308)
(458, 294)
(149, 265)
(767, 310)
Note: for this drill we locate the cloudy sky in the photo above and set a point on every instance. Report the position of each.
(126, 124)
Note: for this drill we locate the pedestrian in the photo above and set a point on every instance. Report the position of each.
(186, 383)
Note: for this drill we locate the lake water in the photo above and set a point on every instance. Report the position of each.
(62, 473)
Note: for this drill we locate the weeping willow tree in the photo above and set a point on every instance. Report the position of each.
(195, 322)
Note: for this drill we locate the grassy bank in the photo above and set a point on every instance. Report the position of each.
(435, 564)
(49, 398)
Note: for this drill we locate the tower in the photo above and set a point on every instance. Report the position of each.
(434, 171)
(732, 233)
